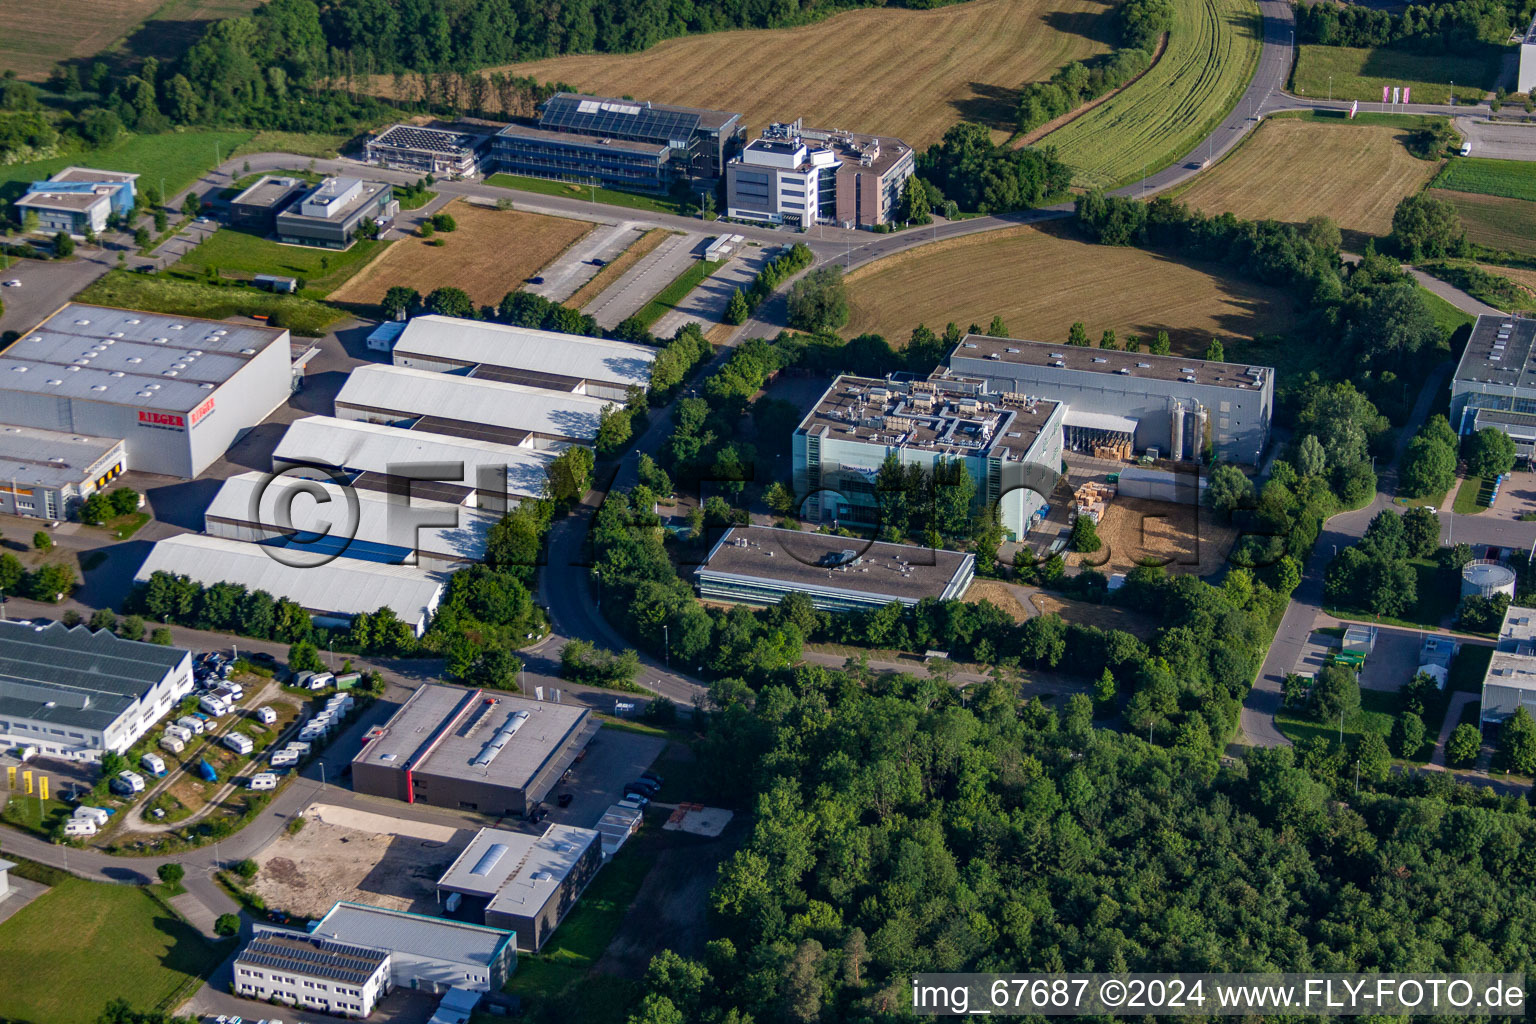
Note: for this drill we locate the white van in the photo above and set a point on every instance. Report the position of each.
(98, 815)
(265, 715)
(239, 742)
(79, 827)
(263, 780)
(152, 763)
(170, 741)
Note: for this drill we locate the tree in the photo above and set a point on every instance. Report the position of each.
(1421, 532)
(1408, 735)
(570, 475)
(1310, 459)
(1109, 341)
(1229, 489)
(1488, 453)
(779, 498)
(124, 500)
(12, 573)
(161, 636)
(141, 237)
(444, 222)
(131, 628)
(304, 657)
(1335, 692)
(103, 618)
(227, 925)
(737, 310)
(1160, 345)
(1106, 689)
(63, 245)
(1216, 352)
(96, 509)
(1428, 468)
(399, 301)
(192, 205)
(1077, 334)
(1516, 751)
(997, 329)
(1373, 756)
(171, 873)
(914, 208)
(1464, 746)
(53, 582)
(247, 869)
(818, 301)
(1424, 227)
(450, 301)
(614, 429)
(426, 229)
(1085, 535)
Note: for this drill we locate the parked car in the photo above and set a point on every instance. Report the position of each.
(597, 262)
(262, 658)
(13, 283)
(652, 777)
(635, 802)
(645, 786)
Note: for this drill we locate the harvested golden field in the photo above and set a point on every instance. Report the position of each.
(489, 255)
(1524, 278)
(1290, 170)
(33, 41)
(905, 73)
(1004, 595)
(1040, 280)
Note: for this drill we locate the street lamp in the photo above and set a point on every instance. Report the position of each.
(1330, 88)
(667, 636)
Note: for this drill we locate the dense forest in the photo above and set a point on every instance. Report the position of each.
(1459, 27)
(900, 825)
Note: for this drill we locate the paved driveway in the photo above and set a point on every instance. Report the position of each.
(573, 268)
(641, 282)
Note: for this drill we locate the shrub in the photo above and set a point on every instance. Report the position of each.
(227, 925)
(1085, 535)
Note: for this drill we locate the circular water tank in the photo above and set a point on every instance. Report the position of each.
(1484, 578)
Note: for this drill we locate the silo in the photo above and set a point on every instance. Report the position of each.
(1176, 418)
(1486, 577)
(1202, 425)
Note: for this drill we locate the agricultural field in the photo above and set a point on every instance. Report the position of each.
(490, 254)
(177, 24)
(905, 73)
(1040, 280)
(82, 943)
(32, 43)
(1211, 54)
(1359, 73)
(239, 254)
(1290, 170)
(175, 159)
(1494, 221)
(1513, 179)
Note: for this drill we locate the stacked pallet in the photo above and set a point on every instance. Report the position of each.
(1091, 499)
(1119, 451)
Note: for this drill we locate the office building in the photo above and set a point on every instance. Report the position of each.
(485, 410)
(496, 754)
(311, 972)
(332, 589)
(572, 363)
(1009, 444)
(1510, 681)
(1495, 381)
(804, 176)
(78, 199)
(633, 144)
(441, 152)
(427, 954)
(47, 473)
(74, 694)
(331, 214)
(177, 390)
(481, 474)
(256, 208)
(523, 883)
(758, 565)
(1179, 405)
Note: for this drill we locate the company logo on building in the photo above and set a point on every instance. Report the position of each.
(201, 411)
(169, 420)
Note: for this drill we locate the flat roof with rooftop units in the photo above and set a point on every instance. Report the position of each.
(758, 565)
(431, 954)
(524, 882)
(497, 754)
(268, 191)
(1496, 374)
(1188, 369)
(465, 407)
(47, 473)
(520, 355)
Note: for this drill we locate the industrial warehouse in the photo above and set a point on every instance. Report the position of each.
(759, 565)
(442, 403)
(372, 455)
(571, 363)
(1495, 381)
(497, 754)
(521, 882)
(177, 390)
(47, 474)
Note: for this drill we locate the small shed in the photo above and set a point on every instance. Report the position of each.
(1360, 639)
(276, 283)
(383, 337)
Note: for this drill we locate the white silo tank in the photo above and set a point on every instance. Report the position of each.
(1485, 577)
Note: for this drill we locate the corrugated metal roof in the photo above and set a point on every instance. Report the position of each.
(618, 363)
(344, 586)
(50, 458)
(376, 448)
(427, 938)
(74, 676)
(424, 393)
(253, 499)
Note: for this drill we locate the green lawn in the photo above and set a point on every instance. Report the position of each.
(1377, 710)
(1436, 602)
(310, 144)
(413, 200)
(571, 190)
(1514, 179)
(1447, 317)
(82, 944)
(175, 159)
(241, 254)
(561, 974)
(164, 294)
(1212, 51)
(668, 298)
(35, 815)
(1467, 497)
(1360, 72)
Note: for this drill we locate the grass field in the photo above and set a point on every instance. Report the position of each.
(1495, 221)
(1039, 280)
(33, 42)
(1524, 278)
(1470, 496)
(1377, 711)
(1290, 170)
(571, 190)
(488, 256)
(1359, 73)
(1447, 317)
(1211, 54)
(905, 73)
(174, 158)
(239, 254)
(83, 943)
(164, 294)
(1515, 179)
(312, 144)
(668, 298)
(617, 267)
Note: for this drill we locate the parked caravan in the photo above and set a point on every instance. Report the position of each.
(264, 780)
(153, 763)
(79, 827)
(213, 706)
(193, 725)
(265, 715)
(239, 742)
(175, 744)
(180, 732)
(98, 815)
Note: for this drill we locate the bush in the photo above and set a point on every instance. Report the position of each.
(247, 869)
(124, 500)
(42, 542)
(444, 222)
(1085, 535)
(227, 925)
(1465, 744)
(171, 873)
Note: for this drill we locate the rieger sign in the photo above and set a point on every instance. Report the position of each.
(173, 420)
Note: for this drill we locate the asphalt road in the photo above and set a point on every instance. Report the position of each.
(637, 285)
(574, 268)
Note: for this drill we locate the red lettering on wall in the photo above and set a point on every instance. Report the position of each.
(161, 419)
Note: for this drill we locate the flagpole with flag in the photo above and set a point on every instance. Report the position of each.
(1406, 90)
(1386, 91)
(1354, 109)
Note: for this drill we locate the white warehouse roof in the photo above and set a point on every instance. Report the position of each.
(380, 534)
(343, 587)
(375, 448)
(572, 356)
(408, 392)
